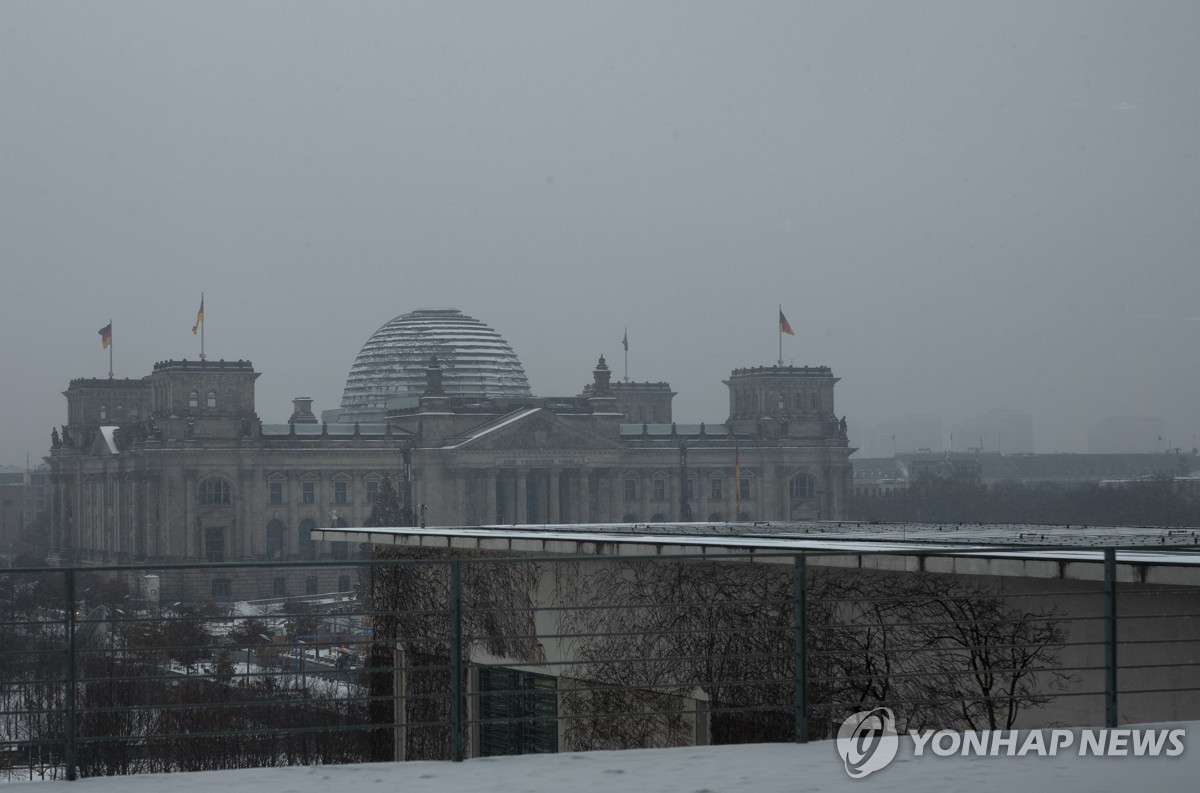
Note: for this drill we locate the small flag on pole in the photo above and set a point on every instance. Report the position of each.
(784, 327)
(625, 341)
(199, 317)
(106, 336)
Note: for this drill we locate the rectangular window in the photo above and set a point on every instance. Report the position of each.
(339, 549)
(308, 492)
(660, 489)
(214, 543)
(310, 585)
(279, 586)
(714, 489)
(339, 492)
(517, 712)
(631, 490)
(372, 492)
(744, 488)
(691, 489)
(343, 583)
(276, 492)
(222, 588)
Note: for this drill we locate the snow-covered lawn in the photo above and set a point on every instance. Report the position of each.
(759, 768)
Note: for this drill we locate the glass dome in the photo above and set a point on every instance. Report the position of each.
(475, 360)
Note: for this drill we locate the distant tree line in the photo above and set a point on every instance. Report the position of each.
(1158, 502)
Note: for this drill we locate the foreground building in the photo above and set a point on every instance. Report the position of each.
(178, 465)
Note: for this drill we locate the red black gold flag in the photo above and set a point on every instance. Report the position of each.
(199, 317)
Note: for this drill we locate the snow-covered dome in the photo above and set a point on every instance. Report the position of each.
(475, 360)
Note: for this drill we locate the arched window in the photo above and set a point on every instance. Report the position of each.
(800, 486)
(214, 490)
(194, 399)
(276, 533)
(716, 517)
(308, 546)
(212, 399)
(629, 518)
(658, 517)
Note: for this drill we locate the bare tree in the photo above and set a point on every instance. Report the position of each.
(950, 653)
(986, 659)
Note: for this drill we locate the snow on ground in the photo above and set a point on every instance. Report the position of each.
(757, 768)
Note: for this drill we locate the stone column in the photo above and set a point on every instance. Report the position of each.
(521, 508)
(768, 498)
(488, 514)
(553, 502)
(462, 508)
(584, 513)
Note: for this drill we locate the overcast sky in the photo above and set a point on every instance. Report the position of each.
(960, 206)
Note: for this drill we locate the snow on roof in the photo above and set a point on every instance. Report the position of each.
(491, 427)
(1020, 542)
(746, 768)
(110, 438)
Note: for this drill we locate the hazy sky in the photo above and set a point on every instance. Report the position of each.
(961, 206)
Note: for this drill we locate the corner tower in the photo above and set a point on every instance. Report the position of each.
(203, 399)
(788, 401)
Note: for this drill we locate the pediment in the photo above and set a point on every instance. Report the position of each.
(540, 430)
(99, 442)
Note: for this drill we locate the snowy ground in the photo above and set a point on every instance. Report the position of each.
(761, 768)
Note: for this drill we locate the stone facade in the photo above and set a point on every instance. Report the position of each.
(196, 476)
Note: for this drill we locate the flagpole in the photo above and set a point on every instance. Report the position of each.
(110, 350)
(626, 345)
(202, 327)
(780, 329)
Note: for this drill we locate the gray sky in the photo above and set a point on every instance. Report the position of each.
(961, 206)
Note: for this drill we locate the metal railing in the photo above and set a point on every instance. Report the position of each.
(436, 655)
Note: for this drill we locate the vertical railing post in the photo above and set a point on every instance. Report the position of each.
(69, 716)
(800, 638)
(456, 720)
(1110, 637)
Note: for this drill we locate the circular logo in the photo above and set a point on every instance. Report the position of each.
(867, 741)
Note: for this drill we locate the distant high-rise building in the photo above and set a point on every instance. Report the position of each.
(1002, 431)
(1120, 434)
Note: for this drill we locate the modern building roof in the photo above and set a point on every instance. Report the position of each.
(1146, 554)
(474, 358)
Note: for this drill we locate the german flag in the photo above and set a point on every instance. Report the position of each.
(106, 336)
(784, 327)
(199, 316)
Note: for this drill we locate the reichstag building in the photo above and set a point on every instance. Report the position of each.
(178, 466)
